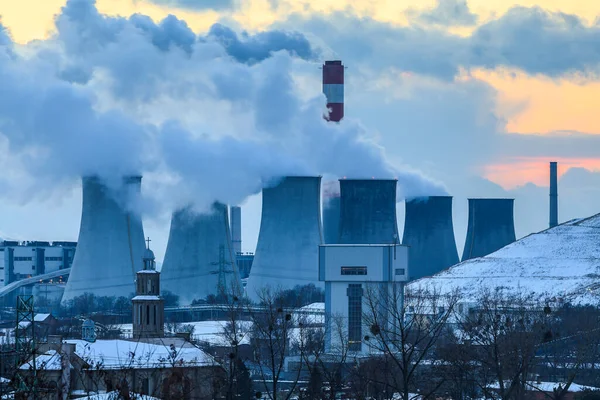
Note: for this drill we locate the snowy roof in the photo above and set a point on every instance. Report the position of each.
(49, 361)
(116, 395)
(561, 262)
(36, 318)
(146, 297)
(213, 332)
(116, 354)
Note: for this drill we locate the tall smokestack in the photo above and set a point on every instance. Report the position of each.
(199, 259)
(333, 88)
(429, 232)
(368, 211)
(287, 252)
(491, 226)
(236, 229)
(111, 240)
(553, 194)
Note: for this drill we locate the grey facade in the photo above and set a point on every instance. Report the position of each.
(290, 233)
(331, 220)
(429, 232)
(236, 229)
(199, 259)
(111, 240)
(491, 226)
(368, 211)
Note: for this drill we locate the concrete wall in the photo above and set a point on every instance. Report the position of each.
(290, 233)
(111, 240)
(368, 212)
(429, 232)
(491, 226)
(199, 259)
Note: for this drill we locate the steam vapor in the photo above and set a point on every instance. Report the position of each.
(207, 118)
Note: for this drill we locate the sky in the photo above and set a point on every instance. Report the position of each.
(212, 99)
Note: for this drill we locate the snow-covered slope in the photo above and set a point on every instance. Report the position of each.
(562, 263)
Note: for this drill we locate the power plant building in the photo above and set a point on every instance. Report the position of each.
(355, 276)
(111, 240)
(429, 233)
(368, 211)
(491, 226)
(290, 233)
(21, 260)
(199, 260)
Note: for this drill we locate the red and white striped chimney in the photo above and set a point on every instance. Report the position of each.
(333, 88)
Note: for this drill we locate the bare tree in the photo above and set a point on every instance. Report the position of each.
(272, 327)
(325, 353)
(501, 335)
(405, 328)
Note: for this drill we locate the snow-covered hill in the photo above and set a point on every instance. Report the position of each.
(562, 262)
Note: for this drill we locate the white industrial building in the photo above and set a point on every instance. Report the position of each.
(349, 271)
(21, 260)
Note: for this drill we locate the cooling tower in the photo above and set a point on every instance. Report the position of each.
(368, 211)
(290, 233)
(491, 226)
(111, 241)
(199, 259)
(331, 219)
(429, 232)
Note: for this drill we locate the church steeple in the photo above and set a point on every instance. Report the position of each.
(148, 305)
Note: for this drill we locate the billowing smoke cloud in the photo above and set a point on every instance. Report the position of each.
(255, 48)
(210, 119)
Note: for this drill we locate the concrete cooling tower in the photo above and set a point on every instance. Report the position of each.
(199, 259)
(287, 252)
(331, 219)
(491, 226)
(111, 240)
(368, 211)
(429, 232)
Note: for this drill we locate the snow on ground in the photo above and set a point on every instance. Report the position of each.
(561, 262)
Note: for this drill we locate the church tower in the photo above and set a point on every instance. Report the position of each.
(148, 306)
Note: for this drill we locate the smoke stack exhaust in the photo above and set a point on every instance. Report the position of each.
(553, 194)
(236, 229)
(491, 226)
(368, 211)
(333, 88)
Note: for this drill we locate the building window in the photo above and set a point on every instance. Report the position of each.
(155, 315)
(400, 271)
(54, 258)
(140, 315)
(354, 270)
(23, 259)
(33, 267)
(147, 314)
(354, 316)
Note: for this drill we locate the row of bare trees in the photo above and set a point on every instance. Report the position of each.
(415, 342)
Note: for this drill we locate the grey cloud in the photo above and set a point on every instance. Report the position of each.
(531, 39)
(257, 47)
(447, 13)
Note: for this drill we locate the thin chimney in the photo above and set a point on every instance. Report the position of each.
(553, 194)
